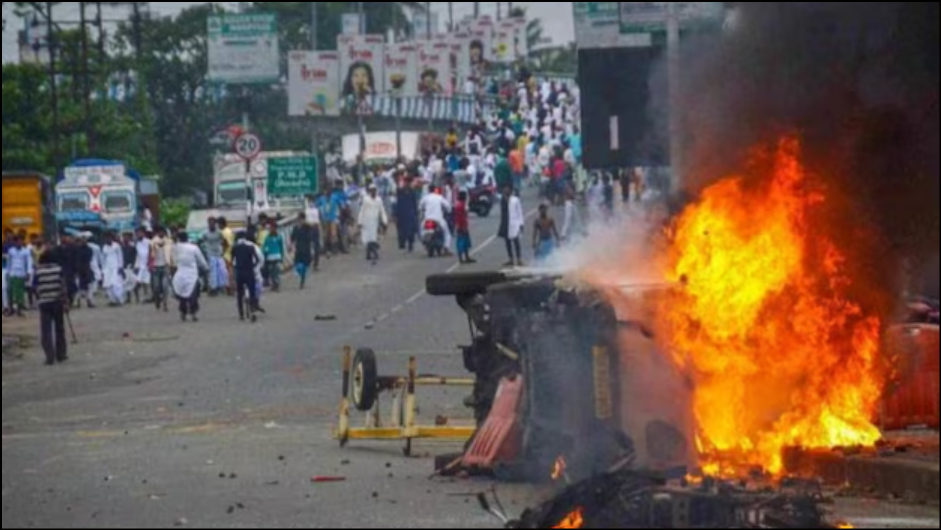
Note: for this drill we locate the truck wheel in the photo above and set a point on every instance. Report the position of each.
(484, 211)
(364, 380)
(463, 284)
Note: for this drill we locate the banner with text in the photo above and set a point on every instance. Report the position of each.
(401, 68)
(434, 65)
(292, 177)
(243, 49)
(362, 59)
(314, 84)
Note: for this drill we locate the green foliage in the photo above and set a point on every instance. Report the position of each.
(175, 212)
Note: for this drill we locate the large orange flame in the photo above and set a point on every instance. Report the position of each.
(576, 519)
(779, 354)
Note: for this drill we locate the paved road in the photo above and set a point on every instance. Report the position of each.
(139, 429)
(224, 424)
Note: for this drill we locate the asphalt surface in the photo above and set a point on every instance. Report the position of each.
(155, 423)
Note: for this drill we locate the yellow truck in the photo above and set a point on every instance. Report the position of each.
(29, 204)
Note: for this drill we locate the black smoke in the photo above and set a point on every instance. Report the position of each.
(858, 82)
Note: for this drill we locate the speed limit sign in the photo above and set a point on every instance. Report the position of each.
(248, 146)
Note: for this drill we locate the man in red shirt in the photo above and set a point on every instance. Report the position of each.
(462, 227)
(518, 166)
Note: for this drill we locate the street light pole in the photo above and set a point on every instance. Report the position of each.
(499, 11)
(450, 16)
(315, 131)
(673, 59)
(86, 100)
(428, 17)
(51, 41)
(476, 10)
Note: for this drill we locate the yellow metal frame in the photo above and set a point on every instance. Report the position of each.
(405, 428)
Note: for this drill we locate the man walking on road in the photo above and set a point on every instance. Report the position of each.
(302, 244)
(215, 245)
(406, 215)
(274, 256)
(246, 259)
(53, 305)
(512, 223)
(188, 260)
(113, 281)
(372, 221)
(162, 250)
(142, 266)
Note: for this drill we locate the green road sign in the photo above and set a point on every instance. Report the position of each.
(292, 177)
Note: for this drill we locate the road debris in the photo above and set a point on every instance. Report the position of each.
(327, 480)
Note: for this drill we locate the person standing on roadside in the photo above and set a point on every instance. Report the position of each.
(53, 306)
(462, 227)
(512, 223)
(246, 259)
(21, 270)
(274, 256)
(312, 213)
(142, 266)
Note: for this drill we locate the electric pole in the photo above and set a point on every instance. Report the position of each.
(450, 17)
(499, 11)
(476, 10)
(428, 17)
(51, 42)
(86, 90)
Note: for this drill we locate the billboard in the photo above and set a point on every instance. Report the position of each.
(504, 42)
(362, 70)
(434, 67)
(401, 68)
(461, 59)
(243, 49)
(631, 24)
(314, 84)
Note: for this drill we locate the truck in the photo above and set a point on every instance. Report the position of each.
(28, 204)
(98, 195)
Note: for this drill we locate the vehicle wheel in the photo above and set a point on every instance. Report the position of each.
(484, 211)
(463, 284)
(364, 380)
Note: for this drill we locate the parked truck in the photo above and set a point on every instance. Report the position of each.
(98, 195)
(28, 204)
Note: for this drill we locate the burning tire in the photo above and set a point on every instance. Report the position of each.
(364, 380)
(463, 284)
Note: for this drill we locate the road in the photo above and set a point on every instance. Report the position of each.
(156, 423)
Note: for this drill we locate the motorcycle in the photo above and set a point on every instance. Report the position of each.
(481, 200)
(432, 236)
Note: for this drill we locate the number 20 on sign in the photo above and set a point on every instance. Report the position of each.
(248, 146)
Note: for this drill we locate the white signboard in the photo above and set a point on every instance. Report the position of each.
(434, 67)
(352, 24)
(617, 24)
(381, 147)
(314, 84)
(522, 38)
(243, 49)
(362, 72)
(401, 68)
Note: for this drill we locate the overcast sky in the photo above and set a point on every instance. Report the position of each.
(556, 17)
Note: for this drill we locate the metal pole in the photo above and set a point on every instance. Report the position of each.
(315, 131)
(398, 126)
(51, 38)
(428, 17)
(509, 9)
(476, 10)
(450, 16)
(361, 9)
(99, 21)
(673, 52)
(499, 10)
(86, 90)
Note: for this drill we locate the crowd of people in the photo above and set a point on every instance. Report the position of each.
(532, 140)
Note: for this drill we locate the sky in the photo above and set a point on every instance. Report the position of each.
(556, 18)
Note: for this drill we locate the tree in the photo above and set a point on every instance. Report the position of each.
(535, 32)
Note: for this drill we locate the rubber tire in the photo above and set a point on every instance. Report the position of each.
(463, 284)
(367, 359)
(484, 211)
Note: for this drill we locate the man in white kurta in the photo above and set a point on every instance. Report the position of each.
(112, 274)
(142, 266)
(372, 218)
(188, 260)
(434, 207)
